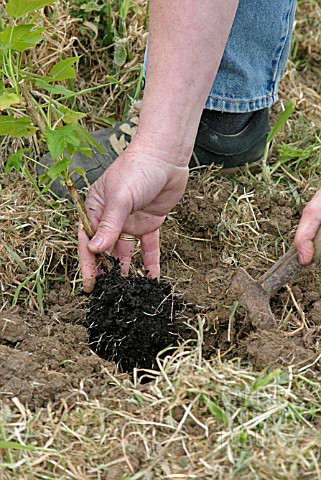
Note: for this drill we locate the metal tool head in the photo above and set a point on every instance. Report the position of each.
(256, 294)
(255, 299)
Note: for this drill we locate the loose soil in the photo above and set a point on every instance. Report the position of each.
(130, 320)
(50, 357)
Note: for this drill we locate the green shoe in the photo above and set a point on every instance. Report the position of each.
(231, 152)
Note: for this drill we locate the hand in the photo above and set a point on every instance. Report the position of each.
(135, 194)
(132, 197)
(307, 229)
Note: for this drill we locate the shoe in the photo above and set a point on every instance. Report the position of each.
(231, 152)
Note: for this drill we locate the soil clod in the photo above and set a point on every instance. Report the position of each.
(132, 319)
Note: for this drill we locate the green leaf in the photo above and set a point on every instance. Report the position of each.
(124, 8)
(262, 382)
(281, 121)
(16, 446)
(214, 409)
(70, 116)
(120, 53)
(8, 99)
(55, 171)
(84, 135)
(55, 89)
(16, 127)
(80, 171)
(19, 8)
(31, 179)
(86, 151)
(7, 445)
(274, 131)
(59, 139)
(72, 149)
(15, 161)
(66, 362)
(20, 37)
(89, 7)
(140, 399)
(40, 294)
(64, 70)
(15, 256)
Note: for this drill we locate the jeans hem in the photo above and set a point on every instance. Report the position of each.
(240, 106)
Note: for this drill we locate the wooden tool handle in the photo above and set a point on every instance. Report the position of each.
(287, 268)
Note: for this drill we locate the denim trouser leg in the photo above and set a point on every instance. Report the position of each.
(255, 56)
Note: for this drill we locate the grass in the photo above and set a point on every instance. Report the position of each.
(113, 35)
(198, 419)
(38, 243)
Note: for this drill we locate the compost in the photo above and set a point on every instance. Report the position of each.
(131, 319)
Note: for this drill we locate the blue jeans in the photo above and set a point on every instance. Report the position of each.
(254, 57)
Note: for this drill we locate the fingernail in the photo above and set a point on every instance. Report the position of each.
(96, 242)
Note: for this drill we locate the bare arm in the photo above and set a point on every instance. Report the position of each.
(135, 194)
(186, 44)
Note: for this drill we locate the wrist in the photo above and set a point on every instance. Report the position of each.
(162, 145)
(169, 128)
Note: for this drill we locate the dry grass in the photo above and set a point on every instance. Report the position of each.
(37, 245)
(198, 419)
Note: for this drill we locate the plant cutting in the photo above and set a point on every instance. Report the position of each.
(33, 105)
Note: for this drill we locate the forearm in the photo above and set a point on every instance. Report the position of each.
(186, 44)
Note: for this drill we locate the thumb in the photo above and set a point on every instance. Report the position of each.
(306, 232)
(109, 228)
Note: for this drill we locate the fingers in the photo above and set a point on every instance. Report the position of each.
(88, 261)
(124, 250)
(109, 227)
(151, 254)
(307, 229)
(108, 223)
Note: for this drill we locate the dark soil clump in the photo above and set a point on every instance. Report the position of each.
(132, 319)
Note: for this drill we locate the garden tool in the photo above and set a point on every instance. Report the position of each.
(255, 294)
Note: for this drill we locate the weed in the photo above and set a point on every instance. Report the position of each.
(274, 131)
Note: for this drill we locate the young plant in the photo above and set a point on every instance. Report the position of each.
(34, 104)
